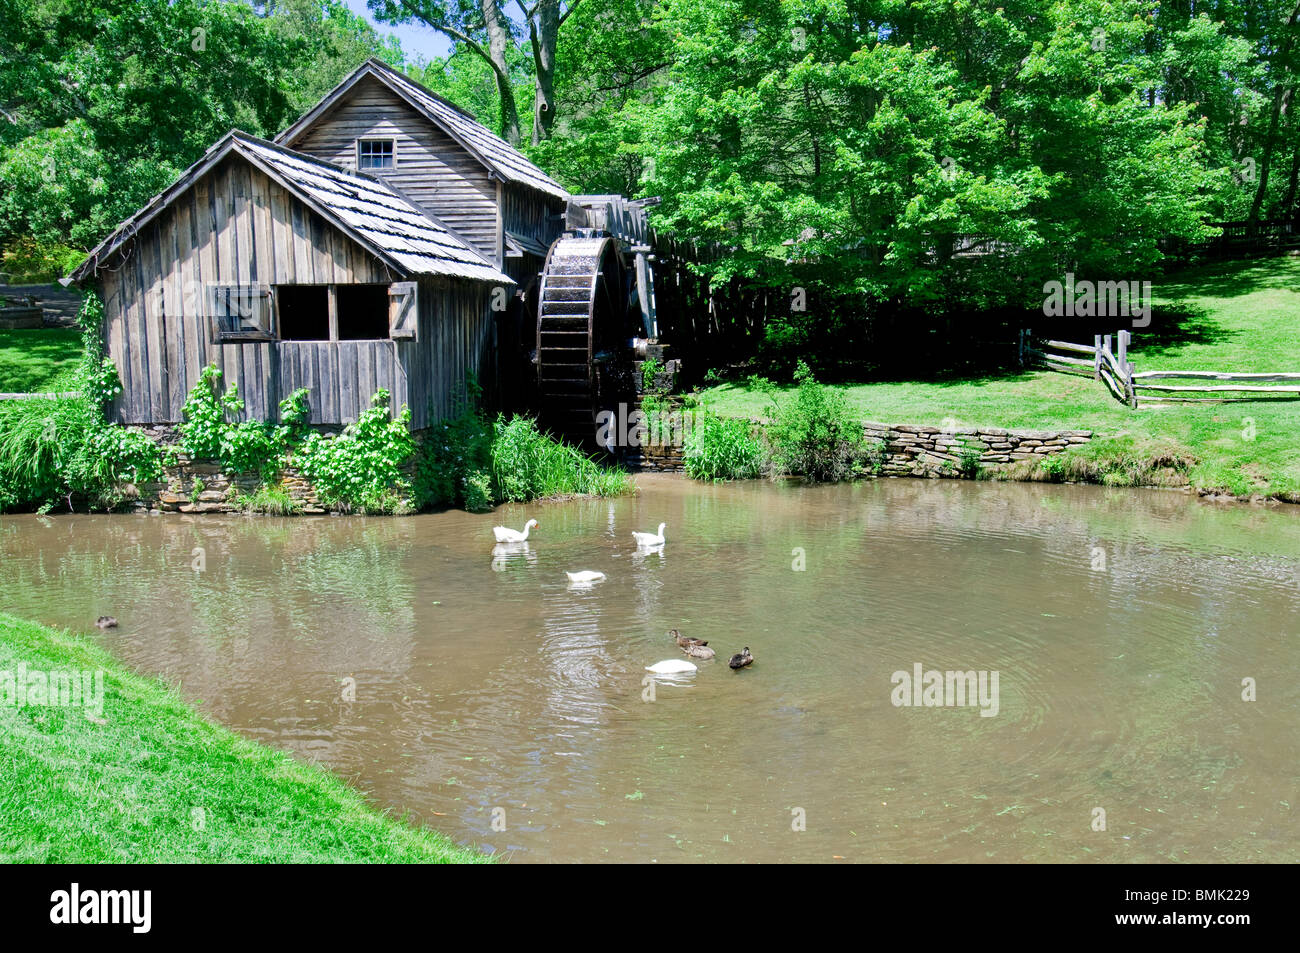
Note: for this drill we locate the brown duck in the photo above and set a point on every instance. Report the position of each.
(685, 641)
(742, 659)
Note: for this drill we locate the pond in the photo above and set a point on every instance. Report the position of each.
(497, 703)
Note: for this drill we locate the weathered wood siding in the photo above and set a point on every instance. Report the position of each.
(458, 334)
(528, 212)
(431, 168)
(236, 226)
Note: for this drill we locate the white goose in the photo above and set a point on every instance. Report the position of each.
(673, 666)
(505, 534)
(650, 539)
(585, 577)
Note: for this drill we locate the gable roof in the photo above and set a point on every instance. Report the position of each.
(491, 150)
(366, 209)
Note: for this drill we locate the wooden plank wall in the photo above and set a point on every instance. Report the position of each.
(236, 226)
(457, 337)
(534, 214)
(431, 167)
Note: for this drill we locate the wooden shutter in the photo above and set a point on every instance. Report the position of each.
(240, 312)
(403, 315)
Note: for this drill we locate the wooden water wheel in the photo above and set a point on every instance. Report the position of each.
(583, 335)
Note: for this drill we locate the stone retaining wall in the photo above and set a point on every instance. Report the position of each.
(935, 452)
(200, 486)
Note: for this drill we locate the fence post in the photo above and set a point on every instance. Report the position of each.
(1096, 357)
(1126, 368)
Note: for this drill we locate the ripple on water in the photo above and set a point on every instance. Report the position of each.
(1120, 624)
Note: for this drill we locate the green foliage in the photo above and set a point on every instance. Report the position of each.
(969, 462)
(650, 369)
(30, 262)
(815, 435)
(268, 498)
(721, 448)
(528, 464)
(454, 465)
(211, 428)
(61, 448)
(361, 469)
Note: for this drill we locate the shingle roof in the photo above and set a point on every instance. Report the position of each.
(490, 149)
(365, 208)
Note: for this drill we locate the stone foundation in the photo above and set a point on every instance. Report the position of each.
(934, 452)
(201, 486)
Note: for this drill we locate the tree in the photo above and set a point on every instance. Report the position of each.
(484, 28)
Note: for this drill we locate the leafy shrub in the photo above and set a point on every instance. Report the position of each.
(453, 467)
(29, 262)
(815, 435)
(208, 431)
(720, 449)
(361, 469)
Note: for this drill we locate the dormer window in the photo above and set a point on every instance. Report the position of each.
(375, 154)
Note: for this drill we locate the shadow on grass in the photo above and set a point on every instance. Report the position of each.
(1230, 279)
(1178, 327)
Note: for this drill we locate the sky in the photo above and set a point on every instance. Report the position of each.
(415, 40)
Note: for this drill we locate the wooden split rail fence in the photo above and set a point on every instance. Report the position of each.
(1100, 360)
(1112, 367)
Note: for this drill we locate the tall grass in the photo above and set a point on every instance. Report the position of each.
(722, 448)
(528, 464)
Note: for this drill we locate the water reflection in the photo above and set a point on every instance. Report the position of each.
(1121, 624)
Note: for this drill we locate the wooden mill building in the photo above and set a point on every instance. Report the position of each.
(375, 244)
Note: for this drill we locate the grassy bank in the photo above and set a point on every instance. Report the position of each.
(30, 360)
(1238, 316)
(150, 780)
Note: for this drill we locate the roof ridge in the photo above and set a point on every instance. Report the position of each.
(424, 89)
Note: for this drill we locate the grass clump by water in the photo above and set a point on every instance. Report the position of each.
(271, 499)
(528, 465)
(147, 779)
(475, 463)
(722, 448)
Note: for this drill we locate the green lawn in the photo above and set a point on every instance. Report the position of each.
(30, 360)
(1236, 316)
(152, 781)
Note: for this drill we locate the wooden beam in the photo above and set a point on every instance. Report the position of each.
(333, 295)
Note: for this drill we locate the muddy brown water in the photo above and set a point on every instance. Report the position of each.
(489, 693)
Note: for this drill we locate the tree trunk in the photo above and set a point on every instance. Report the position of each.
(1281, 100)
(498, 31)
(544, 30)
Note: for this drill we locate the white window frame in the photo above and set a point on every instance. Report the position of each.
(392, 142)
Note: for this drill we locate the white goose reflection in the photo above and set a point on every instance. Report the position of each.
(512, 556)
